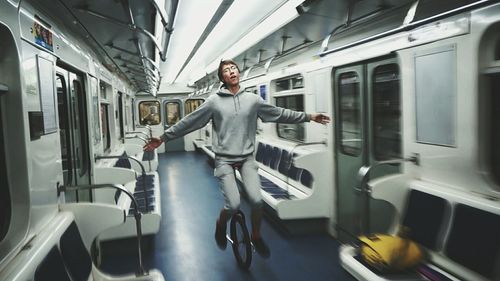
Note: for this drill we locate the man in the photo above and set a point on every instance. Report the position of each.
(234, 114)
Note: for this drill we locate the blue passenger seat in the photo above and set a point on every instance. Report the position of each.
(144, 185)
(275, 158)
(306, 178)
(259, 155)
(266, 160)
(123, 162)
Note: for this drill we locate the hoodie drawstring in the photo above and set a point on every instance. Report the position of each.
(234, 102)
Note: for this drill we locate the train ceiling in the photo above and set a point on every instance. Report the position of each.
(138, 40)
(131, 36)
(316, 20)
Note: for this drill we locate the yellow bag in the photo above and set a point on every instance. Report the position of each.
(388, 253)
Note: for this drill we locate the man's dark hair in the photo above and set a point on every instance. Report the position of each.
(221, 66)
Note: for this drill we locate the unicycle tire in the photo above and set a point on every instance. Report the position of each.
(242, 247)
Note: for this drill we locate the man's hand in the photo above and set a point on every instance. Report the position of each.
(153, 143)
(320, 118)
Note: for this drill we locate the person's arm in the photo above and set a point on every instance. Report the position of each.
(319, 118)
(193, 121)
(271, 113)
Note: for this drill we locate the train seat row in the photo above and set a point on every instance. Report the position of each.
(293, 184)
(148, 159)
(139, 178)
(61, 252)
(458, 230)
(281, 160)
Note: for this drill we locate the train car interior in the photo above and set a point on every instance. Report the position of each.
(357, 138)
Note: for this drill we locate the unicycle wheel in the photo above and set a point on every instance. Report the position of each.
(242, 247)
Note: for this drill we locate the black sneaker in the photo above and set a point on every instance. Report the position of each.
(220, 235)
(261, 247)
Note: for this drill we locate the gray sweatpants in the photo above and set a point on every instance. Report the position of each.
(251, 181)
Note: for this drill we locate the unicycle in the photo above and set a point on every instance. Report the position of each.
(239, 237)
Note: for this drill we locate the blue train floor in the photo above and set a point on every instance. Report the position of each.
(185, 249)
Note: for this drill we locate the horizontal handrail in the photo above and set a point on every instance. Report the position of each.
(146, 200)
(364, 189)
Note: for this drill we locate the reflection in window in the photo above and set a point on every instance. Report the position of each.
(172, 110)
(293, 132)
(149, 113)
(349, 113)
(386, 112)
(191, 105)
(106, 139)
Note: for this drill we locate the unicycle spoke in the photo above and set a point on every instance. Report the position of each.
(241, 244)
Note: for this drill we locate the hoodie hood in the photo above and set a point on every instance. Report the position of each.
(224, 92)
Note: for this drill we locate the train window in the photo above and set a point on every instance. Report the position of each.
(191, 105)
(293, 132)
(172, 111)
(106, 136)
(5, 206)
(149, 113)
(386, 112)
(289, 83)
(282, 85)
(297, 82)
(349, 113)
(435, 95)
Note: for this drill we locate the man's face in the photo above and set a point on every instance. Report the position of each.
(230, 75)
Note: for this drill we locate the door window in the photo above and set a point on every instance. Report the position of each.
(386, 113)
(172, 110)
(149, 113)
(295, 132)
(349, 113)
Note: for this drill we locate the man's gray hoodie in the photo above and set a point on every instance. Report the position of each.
(234, 121)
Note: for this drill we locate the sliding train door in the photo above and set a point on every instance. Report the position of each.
(367, 124)
(73, 126)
